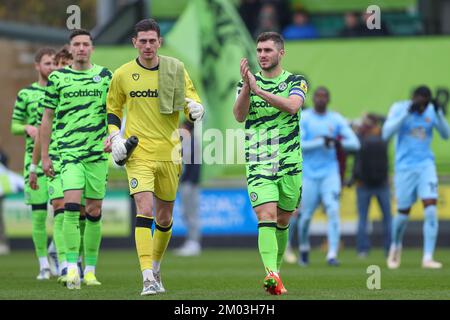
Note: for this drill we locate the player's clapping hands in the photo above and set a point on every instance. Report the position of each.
(244, 70)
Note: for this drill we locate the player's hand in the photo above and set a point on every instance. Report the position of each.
(244, 70)
(31, 131)
(33, 181)
(118, 149)
(107, 144)
(47, 166)
(414, 107)
(331, 142)
(196, 110)
(252, 83)
(437, 105)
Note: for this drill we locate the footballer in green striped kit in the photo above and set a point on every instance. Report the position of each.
(269, 102)
(76, 97)
(24, 122)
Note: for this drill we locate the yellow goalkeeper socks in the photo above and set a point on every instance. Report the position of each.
(161, 237)
(144, 241)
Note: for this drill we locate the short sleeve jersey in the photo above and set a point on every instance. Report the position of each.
(273, 136)
(79, 101)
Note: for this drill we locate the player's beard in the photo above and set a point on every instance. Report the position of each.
(45, 76)
(272, 66)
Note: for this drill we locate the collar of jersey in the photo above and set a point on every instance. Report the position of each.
(82, 71)
(150, 69)
(271, 79)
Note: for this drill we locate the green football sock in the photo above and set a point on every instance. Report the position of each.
(267, 244)
(58, 235)
(82, 228)
(282, 235)
(92, 239)
(39, 232)
(71, 230)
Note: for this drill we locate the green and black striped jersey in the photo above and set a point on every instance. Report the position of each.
(79, 101)
(25, 112)
(53, 147)
(273, 136)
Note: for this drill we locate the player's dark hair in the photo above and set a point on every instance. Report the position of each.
(63, 53)
(274, 36)
(422, 91)
(322, 88)
(42, 52)
(146, 25)
(79, 32)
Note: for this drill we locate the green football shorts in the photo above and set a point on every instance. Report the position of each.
(281, 187)
(55, 190)
(90, 177)
(38, 196)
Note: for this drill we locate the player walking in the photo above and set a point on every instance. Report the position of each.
(322, 183)
(24, 121)
(153, 90)
(76, 95)
(269, 103)
(415, 171)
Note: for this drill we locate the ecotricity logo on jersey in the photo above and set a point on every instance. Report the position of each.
(83, 93)
(144, 94)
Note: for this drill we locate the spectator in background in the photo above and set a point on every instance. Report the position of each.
(353, 26)
(268, 19)
(284, 11)
(189, 191)
(248, 10)
(300, 28)
(370, 172)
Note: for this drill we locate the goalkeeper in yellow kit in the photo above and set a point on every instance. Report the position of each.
(153, 89)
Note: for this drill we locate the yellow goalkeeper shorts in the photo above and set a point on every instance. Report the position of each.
(159, 177)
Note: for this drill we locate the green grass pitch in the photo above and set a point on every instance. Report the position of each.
(233, 275)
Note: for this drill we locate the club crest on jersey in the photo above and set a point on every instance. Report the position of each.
(51, 190)
(133, 183)
(135, 76)
(97, 78)
(67, 79)
(253, 196)
(282, 86)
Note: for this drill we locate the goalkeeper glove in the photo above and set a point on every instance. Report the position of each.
(118, 150)
(196, 110)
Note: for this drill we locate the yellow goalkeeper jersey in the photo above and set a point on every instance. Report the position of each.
(134, 89)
